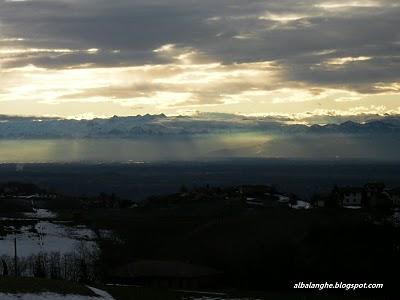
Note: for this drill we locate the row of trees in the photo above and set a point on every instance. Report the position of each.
(78, 266)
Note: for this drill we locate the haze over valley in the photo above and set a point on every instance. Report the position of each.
(204, 136)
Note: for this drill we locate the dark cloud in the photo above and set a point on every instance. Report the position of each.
(292, 33)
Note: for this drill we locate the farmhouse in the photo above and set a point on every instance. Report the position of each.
(349, 196)
(371, 195)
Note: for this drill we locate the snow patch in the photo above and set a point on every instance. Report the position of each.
(282, 198)
(352, 207)
(41, 214)
(301, 205)
(101, 295)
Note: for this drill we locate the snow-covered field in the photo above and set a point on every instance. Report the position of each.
(100, 295)
(46, 296)
(43, 235)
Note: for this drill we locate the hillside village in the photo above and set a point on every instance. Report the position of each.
(374, 195)
(369, 196)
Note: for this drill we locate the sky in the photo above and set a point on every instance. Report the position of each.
(99, 58)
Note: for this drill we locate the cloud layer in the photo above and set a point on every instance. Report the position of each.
(70, 57)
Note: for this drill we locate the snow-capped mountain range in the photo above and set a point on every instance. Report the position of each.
(161, 125)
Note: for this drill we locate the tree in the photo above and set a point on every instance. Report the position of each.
(39, 270)
(5, 267)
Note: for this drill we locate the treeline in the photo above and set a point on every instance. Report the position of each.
(20, 188)
(77, 266)
(104, 200)
(19, 192)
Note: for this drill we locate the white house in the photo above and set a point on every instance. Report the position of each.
(350, 196)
